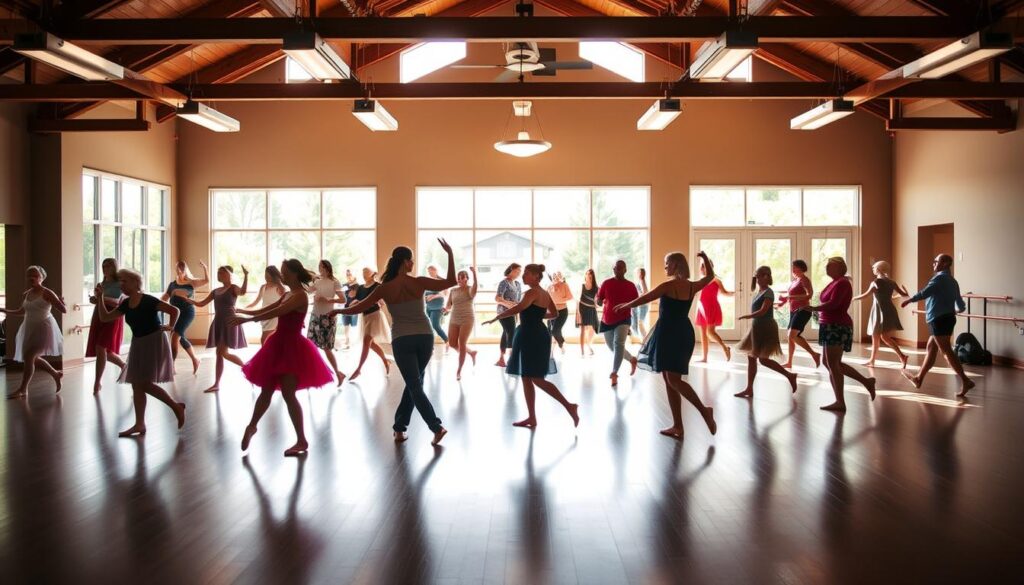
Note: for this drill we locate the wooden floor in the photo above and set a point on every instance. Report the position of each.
(915, 488)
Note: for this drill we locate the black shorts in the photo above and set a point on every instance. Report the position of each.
(943, 325)
(798, 320)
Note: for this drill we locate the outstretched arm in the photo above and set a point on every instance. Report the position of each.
(866, 293)
(362, 305)
(516, 309)
(647, 297)
(260, 315)
(256, 301)
(722, 290)
(281, 307)
(764, 308)
(20, 310)
(201, 303)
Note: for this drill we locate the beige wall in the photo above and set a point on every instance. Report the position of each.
(14, 163)
(595, 143)
(974, 181)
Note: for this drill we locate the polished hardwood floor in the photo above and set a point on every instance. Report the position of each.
(916, 487)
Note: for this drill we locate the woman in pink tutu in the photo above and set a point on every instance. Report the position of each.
(105, 338)
(709, 314)
(288, 361)
(223, 335)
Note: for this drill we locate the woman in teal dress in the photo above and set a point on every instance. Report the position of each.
(531, 346)
(669, 345)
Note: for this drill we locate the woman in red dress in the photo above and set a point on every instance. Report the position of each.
(709, 314)
(105, 337)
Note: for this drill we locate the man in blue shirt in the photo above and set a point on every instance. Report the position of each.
(942, 302)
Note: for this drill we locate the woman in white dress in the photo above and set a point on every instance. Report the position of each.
(270, 293)
(39, 334)
(460, 324)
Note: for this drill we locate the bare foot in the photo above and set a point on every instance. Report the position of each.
(574, 412)
(792, 382)
(458, 375)
(913, 379)
(247, 436)
(356, 373)
(501, 363)
(526, 423)
(965, 387)
(179, 413)
(17, 394)
(58, 378)
(401, 436)
(788, 365)
(472, 356)
(341, 378)
(96, 388)
(870, 363)
(211, 389)
(748, 393)
(903, 361)
(590, 350)
(615, 379)
(135, 431)
(728, 354)
(674, 432)
(702, 361)
(632, 366)
(871, 388)
(709, 419)
(835, 407)
(438, 436)
(817, 360)
(299, 448)
(195, 366)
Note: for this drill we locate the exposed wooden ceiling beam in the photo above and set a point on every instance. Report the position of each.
(281, 8)
(501, 28)
(47, 126)
(758, 90)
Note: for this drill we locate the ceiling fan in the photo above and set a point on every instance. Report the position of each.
(524, 57)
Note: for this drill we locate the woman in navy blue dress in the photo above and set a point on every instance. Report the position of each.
(669, 346)
(531, 346)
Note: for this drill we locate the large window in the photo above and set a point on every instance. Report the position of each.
(569, 229)
(125, 219)
(774, 206)
(259, 227)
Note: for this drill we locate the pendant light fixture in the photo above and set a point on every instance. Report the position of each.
(826, 113)
(373, 115)
(317, 57)
(208, 117)
(958, 55)
(523, 145)
(716, 59)
(660, 114)
(67, 57)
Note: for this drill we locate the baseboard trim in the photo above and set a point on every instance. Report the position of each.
(998, 360)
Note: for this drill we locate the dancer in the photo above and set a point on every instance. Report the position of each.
(39, 334)
(668, 348)
(373, 327)
(638, 317)
(835, 334)
(149, 358)
(182, 288)
(884, 317)
(762, 340)
(224, 336)
(709, 313)
(460, 324)
(288, 362)
(349, 290)
(435, 301)
(613, 293)
(509, 294)
(323, 327)
(561, 294)
(531, 347)
(270, 292)
(942, 303)
(411, 338)
(586, 312)
(799, 296)
(105, 339)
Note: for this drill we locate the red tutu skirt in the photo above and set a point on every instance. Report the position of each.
(108, 335)
(709, 312)
(288, 352)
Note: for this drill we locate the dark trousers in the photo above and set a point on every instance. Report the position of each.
(508, 329)
(185, 318)
(556, 324)
(435, 321)
(412, 353)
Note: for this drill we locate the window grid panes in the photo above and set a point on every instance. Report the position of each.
(569, 229)
(774, 206)
(259, 227)
(126, 219)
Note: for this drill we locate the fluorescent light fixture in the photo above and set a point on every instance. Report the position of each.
(208, 117)
(717, 59)
(826, 113)
(659, 115)
(523, 146)
(618, 58)
(976, 48)
(294, 72)
(317, 57)
(374, 116)
(426, 58)
(69, 58)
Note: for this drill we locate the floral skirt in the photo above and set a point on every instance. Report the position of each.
(322, 330)
(836, 335)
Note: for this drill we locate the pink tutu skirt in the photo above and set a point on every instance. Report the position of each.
(288, 352)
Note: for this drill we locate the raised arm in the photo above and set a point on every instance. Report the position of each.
(709, 275)
(245, 282)
(205, 280)
(441, 284)
(472, 291)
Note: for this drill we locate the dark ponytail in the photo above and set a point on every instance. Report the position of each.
(303, 275)
(398, 257)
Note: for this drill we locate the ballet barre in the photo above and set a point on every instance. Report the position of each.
(984, 312)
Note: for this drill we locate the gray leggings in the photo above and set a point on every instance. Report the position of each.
(615, 339)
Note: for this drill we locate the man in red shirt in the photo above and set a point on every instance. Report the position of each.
(615, 324)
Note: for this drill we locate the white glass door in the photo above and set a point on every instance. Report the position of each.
(775, 249)
(723, 248)
(817, 247)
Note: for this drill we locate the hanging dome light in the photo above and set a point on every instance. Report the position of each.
(522, 146)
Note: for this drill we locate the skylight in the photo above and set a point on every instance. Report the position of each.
(742, 72)
(429, 57)
(616, 57)
(294, 73)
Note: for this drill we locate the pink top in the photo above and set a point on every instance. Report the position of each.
(614, 292)
(836, 300)
(797, 288)
(709, 294)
